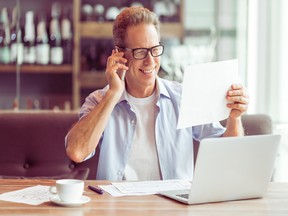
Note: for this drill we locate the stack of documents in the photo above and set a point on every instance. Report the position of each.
(144, 187)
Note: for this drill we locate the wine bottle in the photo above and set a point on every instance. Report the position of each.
(4, 37)
(92, 55)
(42, 41)
(56, 50)
(67, 36)
(17, 46)
(29, 39)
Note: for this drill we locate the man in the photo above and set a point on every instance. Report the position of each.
(133, 120)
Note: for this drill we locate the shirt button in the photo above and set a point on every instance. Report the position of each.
(26, 166)
(133, 122)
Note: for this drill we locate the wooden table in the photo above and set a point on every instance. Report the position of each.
(274, 203)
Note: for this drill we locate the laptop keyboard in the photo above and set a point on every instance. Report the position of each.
(185, 196)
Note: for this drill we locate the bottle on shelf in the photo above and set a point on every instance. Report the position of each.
(29, 39)
(17, 46)
(56, 49)
(91, 55)
(105, 47)
(4, 37)
(67, 36)
(42, 41)
(15, 104)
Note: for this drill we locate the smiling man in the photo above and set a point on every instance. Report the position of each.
(133, 120)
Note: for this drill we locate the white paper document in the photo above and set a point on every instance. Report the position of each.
(35, 195)
(204, 92)
(144, 187)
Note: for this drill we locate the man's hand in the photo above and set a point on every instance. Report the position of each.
(238, 100)
(115, 62)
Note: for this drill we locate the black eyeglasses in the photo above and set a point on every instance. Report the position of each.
(141, 53)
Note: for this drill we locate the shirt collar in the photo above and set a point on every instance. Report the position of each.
(160, 90)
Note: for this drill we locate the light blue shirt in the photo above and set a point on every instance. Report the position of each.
(174, 147)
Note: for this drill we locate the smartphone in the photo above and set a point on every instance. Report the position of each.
(123, 71)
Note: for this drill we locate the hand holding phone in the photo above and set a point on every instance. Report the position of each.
(123, 71)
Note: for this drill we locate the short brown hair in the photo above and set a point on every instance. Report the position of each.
(132, 16)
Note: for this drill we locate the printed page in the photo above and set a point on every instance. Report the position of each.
(204, 92)
(144, 187)
(35, 195)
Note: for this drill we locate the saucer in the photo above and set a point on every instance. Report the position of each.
(58, 201)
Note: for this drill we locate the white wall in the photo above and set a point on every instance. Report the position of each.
(267, 69)
(267, 51)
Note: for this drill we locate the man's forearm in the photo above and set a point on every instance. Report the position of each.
(84, 137)
(234, 127)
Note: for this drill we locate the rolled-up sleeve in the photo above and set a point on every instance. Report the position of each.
(208, 130)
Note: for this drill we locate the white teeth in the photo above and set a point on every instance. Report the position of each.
(147, 71)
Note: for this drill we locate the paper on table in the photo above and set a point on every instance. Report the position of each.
(35, 195)
(113, 191)
(144, 187)
(204, 92)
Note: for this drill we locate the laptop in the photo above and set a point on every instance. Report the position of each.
(231, 168)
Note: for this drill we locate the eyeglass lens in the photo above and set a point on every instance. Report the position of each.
(141, 53)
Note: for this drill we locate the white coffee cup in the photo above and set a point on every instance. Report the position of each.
(68, 190)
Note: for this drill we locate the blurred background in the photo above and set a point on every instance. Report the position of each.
(53, 53)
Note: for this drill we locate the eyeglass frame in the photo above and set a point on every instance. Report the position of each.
(147, 49)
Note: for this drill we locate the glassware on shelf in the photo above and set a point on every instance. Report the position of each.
(67, 36)
(17, 46)
(94, 54)
(87, 12)
(4, 37)
(112, 13)
(29, 39)
(167, 10)
(99, 11)
(136, 4)
(42, 41)
(56, 49)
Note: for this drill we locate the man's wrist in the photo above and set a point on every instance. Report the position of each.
(113, 95)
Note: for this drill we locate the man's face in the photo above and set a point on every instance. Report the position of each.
(140, 78)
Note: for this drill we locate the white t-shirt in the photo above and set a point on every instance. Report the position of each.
(143, 161)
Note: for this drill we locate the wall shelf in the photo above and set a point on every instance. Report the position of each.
(96, 30)
(81, 80)
(38, 69)
(104, 30)
(92, 80)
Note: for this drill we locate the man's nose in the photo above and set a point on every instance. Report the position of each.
(149, 58)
